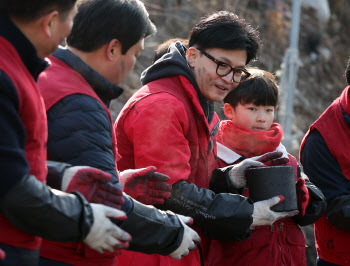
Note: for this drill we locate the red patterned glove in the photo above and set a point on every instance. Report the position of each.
(2, 255)
(273, 159)
(146, 185)
(303, 196)
(93, 184)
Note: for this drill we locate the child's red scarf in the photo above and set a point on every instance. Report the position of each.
(247, 142)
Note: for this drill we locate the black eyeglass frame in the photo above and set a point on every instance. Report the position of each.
(219, 63)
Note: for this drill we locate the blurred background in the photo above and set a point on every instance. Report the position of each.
(317, 54)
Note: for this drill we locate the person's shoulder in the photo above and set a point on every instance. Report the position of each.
(314, 139)
(160, 100)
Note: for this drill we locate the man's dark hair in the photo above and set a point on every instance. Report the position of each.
(162, 48)
(30, 10)
(100, 21)
(226, 30)
(259, 89)
(347, 72)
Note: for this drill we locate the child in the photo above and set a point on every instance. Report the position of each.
(251, 132)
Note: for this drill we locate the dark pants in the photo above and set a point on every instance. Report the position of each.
(321, 262)
(19, 256)
(47, 262)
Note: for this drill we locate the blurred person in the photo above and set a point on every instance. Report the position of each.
(163, 48)
(170, 123)
(324, 156)
(29, 210)
(77, 89)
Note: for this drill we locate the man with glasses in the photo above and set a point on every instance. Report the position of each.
(170, 123)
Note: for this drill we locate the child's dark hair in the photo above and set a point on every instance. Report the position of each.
(259, 89)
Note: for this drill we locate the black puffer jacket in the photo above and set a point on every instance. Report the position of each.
(80, 131)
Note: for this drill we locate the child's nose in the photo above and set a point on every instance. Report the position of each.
(261, 117)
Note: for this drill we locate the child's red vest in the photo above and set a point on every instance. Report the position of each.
(33, 115)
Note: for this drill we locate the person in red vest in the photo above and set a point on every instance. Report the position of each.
(171, 123)
(30, 31)
(324, 155)
(250, 132)
(106, 38)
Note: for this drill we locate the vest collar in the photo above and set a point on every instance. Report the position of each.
(105, 90)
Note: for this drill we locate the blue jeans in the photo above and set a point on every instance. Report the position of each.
(19, 256)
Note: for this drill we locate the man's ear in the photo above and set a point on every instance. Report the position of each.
(114, 49)
(229, 111)
(191, 56)
(49, 23)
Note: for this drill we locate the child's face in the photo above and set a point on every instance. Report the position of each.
(256, 118)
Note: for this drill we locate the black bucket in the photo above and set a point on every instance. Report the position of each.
(266, 182)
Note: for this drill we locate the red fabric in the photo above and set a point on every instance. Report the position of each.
(303, 196)
(247, 142)
(33, 115)
(280, 244)
(93, 185)
(163, 125)
(2, 254)
(148, 186)
(332, 244)
(56, 82)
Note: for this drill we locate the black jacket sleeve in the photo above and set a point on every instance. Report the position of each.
(221, 216)
(55, 171)
(323, 170)
(316, 206)
(338, 212)
(220, 181)
(152, 230)
(34, 208)
(13, 163)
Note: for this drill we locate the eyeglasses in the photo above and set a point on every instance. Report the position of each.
(223, 69)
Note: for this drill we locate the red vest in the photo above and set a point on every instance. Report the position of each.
(32, 113)
(333, 244)
(56, 82)
(201, 163)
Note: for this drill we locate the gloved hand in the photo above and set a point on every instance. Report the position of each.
(146, 185)
(93, 184)
(105, 235)
(189, 240)
(237, 172)
(2, 255)
(273, 158)
(263, 215)
(303, 196)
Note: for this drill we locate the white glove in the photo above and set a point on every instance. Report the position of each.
(263, 215)
(103, 233)
(189, 239)
(237, 173)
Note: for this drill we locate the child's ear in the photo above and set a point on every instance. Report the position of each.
(228, 111)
